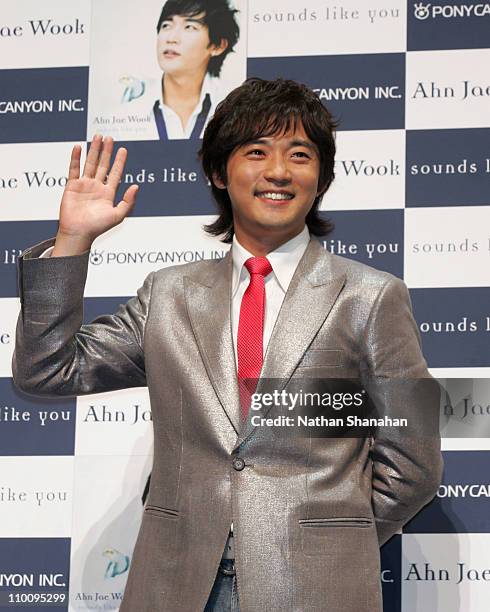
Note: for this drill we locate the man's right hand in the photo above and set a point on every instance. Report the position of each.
(87, 207)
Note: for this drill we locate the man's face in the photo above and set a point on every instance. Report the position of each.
(272, 184)
(183, 44)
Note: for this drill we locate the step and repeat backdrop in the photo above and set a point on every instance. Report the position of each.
(410, 85)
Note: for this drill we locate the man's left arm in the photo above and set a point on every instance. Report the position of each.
(406, 461)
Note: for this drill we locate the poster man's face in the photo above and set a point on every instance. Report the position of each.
(183, 44)
(272, 183)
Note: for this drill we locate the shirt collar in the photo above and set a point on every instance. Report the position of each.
(206, 88)
(284, 260)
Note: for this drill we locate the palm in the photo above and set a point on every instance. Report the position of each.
(87, 207)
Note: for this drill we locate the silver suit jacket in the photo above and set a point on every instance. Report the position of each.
(309, 513)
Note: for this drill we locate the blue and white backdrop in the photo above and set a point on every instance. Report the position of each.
(410, 84)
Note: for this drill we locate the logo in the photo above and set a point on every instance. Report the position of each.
(153, 257)
(118, 563)
(422, 10)
(96, 258)
(134, 88)
(463, 490)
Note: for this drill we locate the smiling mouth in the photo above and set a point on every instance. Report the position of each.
(274, 196)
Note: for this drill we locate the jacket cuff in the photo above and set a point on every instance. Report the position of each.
(49, 284)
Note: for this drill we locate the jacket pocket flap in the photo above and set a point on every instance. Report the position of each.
(163, 512)
(336, 522)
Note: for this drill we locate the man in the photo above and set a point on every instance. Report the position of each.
(193, 39)
(308, 514)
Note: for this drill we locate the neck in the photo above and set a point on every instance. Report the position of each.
(260, 246)
(182, 89)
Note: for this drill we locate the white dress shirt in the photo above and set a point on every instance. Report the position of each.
(173, 122)
(284, 261)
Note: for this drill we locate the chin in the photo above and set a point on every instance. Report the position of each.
(170, 66)
(278, 226)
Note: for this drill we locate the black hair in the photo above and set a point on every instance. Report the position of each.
(260, 108)
(219, 19)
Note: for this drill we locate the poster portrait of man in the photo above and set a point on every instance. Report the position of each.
(164, 87)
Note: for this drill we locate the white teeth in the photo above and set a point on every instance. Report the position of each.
(271, 195)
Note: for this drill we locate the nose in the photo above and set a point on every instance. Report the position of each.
(172, 34)
(277, 170)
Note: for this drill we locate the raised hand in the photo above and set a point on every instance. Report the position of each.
(87, 207)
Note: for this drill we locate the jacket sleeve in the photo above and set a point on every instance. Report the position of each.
(406, 460)
(54, 353)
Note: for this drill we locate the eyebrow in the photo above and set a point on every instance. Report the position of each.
(191, 19)
(297, 142)
(188, 19)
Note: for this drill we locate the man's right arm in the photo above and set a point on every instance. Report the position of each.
(54, 353)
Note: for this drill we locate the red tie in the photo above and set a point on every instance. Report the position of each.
(250, 330)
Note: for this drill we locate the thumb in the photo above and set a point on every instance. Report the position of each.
(126, 205)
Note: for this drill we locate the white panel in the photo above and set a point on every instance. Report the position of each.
(107, 515)
(447, 247)
(369, 171)
(45, 34)
(36, 497)
(287, 28)
(466, 408)
(9, 309)
(465, 444)
(447, 572)
(117, 423)
(460, 443)
(32, 179)
(460, 372)
(447, 89)
(151, 242)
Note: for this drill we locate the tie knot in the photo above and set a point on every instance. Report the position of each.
(258, 265)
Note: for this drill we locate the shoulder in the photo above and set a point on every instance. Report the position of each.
(198, 271)
(356, 273)
(364, 285)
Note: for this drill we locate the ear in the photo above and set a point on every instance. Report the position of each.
(217, 182)
(218, 49)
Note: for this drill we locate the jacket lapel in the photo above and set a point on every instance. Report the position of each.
(311, 294)
(208, 300)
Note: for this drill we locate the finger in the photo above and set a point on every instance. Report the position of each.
(105, 159)
(117, 168)
(74, 169)
(126, 205)
(92, 157)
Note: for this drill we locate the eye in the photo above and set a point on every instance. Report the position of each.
(302, 154)
(164, 25)
(254, 151)
(191, 26)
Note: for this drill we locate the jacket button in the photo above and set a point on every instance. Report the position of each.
(238, 464)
